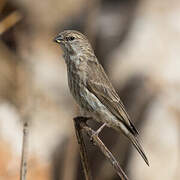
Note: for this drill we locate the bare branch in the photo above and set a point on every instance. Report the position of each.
(80, 123)
(9, 21)
(83, 152)
(23, 168)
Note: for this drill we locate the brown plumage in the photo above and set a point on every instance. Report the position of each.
(91, 87)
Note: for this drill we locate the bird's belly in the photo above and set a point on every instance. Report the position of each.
(96, 109)
(77, 89)
(99, 112)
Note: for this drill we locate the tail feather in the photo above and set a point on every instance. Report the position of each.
(136, 144)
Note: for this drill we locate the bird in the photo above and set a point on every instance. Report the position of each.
(92, 89)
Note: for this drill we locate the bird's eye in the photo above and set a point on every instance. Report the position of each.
(70, 38)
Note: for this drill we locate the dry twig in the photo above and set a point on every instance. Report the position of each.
(83, 152)
(9, 21)
(80, 124)
(23, 167)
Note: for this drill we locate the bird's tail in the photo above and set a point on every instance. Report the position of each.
(136, 144)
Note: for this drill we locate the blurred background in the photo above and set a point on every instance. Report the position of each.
(138, 44)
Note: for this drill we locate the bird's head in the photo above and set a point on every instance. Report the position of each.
(73, 42)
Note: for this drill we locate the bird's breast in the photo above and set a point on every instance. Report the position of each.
(77, 78)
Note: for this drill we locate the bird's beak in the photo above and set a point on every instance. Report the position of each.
(58, 39)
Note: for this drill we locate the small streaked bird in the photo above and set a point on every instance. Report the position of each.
(91, 88)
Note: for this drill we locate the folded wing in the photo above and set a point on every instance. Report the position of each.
(99, 84)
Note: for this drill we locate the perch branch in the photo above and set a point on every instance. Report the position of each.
(83, 152)
(80, 123)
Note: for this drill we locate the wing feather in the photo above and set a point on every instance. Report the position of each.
(99, 84)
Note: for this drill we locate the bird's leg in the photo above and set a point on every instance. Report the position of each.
(100, 129)
(96, 133)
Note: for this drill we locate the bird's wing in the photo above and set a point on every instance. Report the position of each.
(99, 84)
